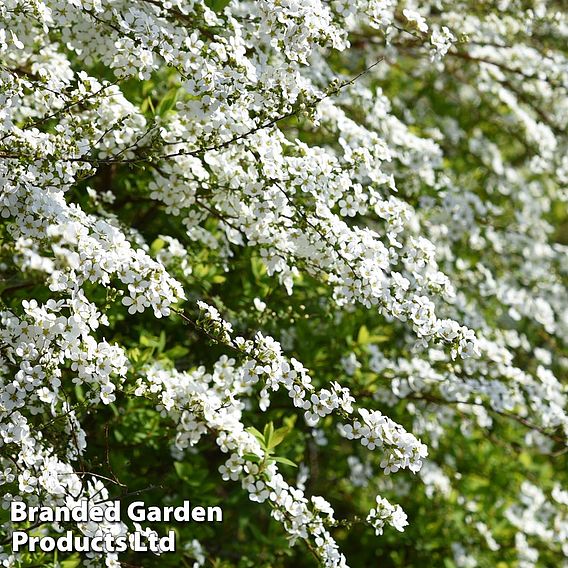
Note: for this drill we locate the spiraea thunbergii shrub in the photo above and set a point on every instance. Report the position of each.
(304, 261)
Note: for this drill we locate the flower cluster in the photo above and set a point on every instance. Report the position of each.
(386, 514)
(267, 364)
(384, 179)
(201, 403)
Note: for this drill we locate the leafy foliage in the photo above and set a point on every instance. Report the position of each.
(303, 260)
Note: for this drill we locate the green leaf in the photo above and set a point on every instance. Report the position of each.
(167, 103)
(258, 435)
(525, 459)
(378, 338)
(156, 246)
(363, 335)
(71, 562)
(217, 5)
(176, 352)
(251, 457)
(150, 104)
(162, 341)
(290, 421)
(258, 268)
(277, 437)
(285, 461)
(182, 469)
(147, 341)
(268, 433)
(79, 393)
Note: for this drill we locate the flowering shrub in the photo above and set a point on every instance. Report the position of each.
(306, 260)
